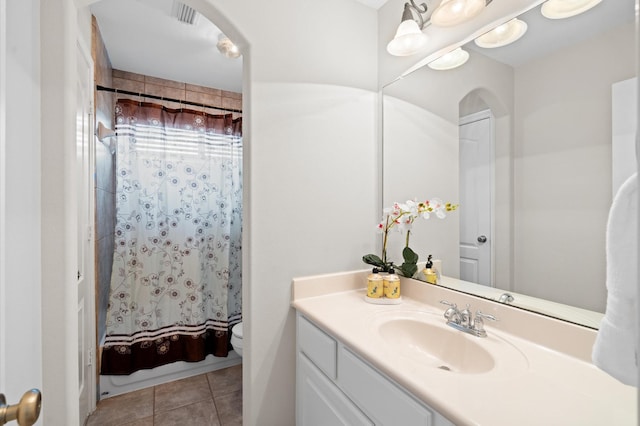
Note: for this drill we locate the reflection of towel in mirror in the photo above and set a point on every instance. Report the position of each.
(616, 347)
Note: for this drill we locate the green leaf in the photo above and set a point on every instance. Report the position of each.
(408, 269)
(409, 255)
(372, 259)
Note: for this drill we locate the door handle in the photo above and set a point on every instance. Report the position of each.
(482, 239)
(26, 412)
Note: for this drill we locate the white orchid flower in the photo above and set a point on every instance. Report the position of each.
(436, 203)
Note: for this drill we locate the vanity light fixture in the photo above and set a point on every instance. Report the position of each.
(227, 47)
(451, 60)
(409, 38)
(454, 12)
(503, 34)
(560, 9)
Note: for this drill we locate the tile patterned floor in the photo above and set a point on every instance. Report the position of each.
(212, 399)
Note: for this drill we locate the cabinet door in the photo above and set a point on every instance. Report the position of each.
(381, 399)
(320, 402)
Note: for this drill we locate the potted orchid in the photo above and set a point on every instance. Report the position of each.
(401, 218)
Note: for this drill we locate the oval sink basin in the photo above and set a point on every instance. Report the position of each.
(425, 341)
(451, 349)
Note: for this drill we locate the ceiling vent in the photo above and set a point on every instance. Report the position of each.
(184, 13)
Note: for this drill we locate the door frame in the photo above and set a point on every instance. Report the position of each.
(86, 231)
(470, 118)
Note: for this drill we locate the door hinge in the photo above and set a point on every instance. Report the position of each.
(89, 232)
(90, 357)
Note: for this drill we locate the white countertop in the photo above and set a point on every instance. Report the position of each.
(552, 384)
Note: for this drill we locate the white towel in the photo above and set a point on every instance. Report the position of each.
(616, 348)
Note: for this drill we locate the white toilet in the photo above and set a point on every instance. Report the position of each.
(236, 338)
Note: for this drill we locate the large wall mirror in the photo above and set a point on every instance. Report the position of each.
(532, 139)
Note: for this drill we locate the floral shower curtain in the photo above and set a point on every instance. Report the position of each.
(176, 277)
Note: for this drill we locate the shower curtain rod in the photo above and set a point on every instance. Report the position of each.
(162, 98)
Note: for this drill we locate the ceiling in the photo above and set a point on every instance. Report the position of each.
(376, 4)
(143, 36)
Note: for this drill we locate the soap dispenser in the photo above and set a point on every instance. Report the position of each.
(429, 273)
(392, 285)
(375, 284)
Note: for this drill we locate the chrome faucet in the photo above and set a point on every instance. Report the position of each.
(478, 323)
(466, 317)
(452, 315)
(505, 298)
(464, 320)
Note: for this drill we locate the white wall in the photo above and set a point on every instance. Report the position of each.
(312, 181)
(563, 168)
(59, 212)
(313, 188)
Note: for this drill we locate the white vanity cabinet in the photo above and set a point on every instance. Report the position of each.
(334, 386)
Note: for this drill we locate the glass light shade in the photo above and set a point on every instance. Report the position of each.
(454, 12)
(503, 34)
(408, 40)
(560, 9)
(227, 47)
(451, 60)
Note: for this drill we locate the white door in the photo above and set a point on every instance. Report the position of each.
(85, 260)
(21, 356)
(475, 197)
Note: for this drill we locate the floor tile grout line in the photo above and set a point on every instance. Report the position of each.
(153, 405)
(213, 399)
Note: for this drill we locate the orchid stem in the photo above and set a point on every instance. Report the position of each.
(384, 242)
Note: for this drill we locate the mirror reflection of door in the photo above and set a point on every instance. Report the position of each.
(475, 196)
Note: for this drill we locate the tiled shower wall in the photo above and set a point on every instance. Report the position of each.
(105, 181)
(203, 96)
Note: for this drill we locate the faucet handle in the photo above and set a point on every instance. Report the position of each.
(446, 302)
(466, 317)
(452, 314)
(478, 323)
(480, 314)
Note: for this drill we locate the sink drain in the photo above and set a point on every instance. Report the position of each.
(444, 367)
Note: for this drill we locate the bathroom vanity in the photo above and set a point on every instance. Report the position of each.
(364, 364)
(336, 386)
